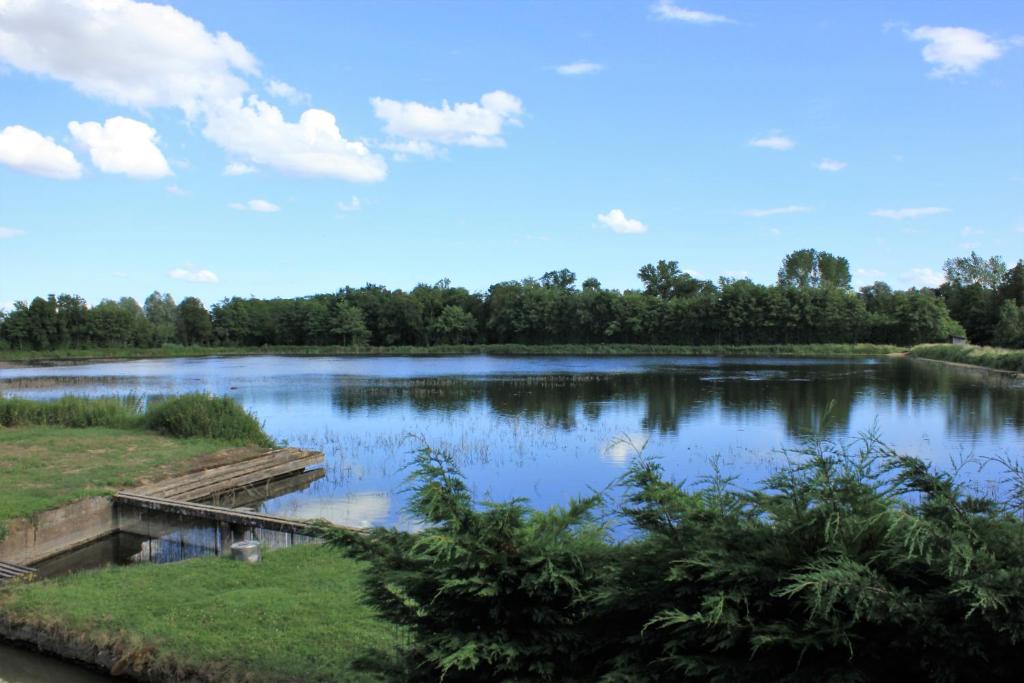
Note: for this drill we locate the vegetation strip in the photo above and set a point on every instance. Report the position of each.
(794, 350)
(1011, 360)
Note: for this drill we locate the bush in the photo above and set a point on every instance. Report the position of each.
(72, 411)
(207, 416)
(848, 564)
(985, 356)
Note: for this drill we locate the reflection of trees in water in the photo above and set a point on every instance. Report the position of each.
(800, 394)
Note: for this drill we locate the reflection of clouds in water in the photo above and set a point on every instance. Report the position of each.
(620, 449)
(360, 510)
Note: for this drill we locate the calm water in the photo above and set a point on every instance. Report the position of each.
(552, 428)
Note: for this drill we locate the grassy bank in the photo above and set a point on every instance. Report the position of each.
(298, 615)
(984, 356)
(43, 467)
(808, 350)
(56, 452)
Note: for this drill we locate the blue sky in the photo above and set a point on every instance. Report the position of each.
(190, 148)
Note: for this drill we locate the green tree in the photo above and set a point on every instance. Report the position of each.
(1009, 331)
(162, 313)
(194, 323)
(811, 268)
(453, 326)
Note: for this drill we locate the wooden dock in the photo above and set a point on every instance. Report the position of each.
(190, 495)
(14, 571)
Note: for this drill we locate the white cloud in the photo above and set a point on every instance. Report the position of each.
(466, 123)
(774, 232)
(257, 131)
(7, 233)
(578, 68)
(777, 142)
(353, 205)
(26, 150)
(955, 50)
(761, 213)
(617, 221)
(238, 168)
(134, 54)
(190, 274)
(665, 9)
(259, 205)
(968, 231)
(900, 214)
(402, 150)
(177, 191)
(922, 277)
(122, 145)
(866, 276)
(831, 165)
(175, 62)
(287, 92)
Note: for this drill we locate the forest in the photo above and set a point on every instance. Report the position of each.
(811, 302)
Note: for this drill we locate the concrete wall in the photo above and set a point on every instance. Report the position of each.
(56, 531)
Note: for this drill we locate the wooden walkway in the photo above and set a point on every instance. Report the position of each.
(183, 495)
(13, 571)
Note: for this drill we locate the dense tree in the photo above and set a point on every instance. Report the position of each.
(812, 268)
(194, 323)
(1009, 331)
(162, 313)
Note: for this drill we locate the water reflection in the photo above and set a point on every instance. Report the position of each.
(552, 428)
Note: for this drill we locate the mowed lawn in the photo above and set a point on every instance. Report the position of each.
(43, 467)
(298, 615)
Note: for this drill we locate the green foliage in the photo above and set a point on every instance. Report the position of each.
(1009, 331)
(852, 562)
(213, 417)
(813, 268)
(72, 411)
(988, 357)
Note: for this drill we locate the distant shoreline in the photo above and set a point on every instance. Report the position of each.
(22, 358)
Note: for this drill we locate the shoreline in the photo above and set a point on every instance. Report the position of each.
(17, 359)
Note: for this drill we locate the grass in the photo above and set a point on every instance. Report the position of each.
(807, 350)
(184, 416)
(984, 356)
(43, 467)
(298, 615)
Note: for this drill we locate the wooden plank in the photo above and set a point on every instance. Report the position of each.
(199, 491)
(271, 488)
(162, 488)
(214, 513)
(13, 571)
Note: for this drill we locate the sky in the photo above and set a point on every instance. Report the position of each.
(290, 148)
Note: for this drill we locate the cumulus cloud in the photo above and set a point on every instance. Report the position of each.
(122, 145)
(618, 222)
(260, 205)
(176, 62)
(190, 274)
(578, 68)
(761, 213)
(777, 142)
(473, 124)
(955, 50)
(257, 131)
(922, 277)
(403, 150)
(900, 214)
(669, 11)
(7, 233)
(353, 205)
(286, 92)
(238, 168)
(26, 150)
(831, 165)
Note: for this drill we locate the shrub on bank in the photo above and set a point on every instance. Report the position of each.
(845, 565)
(985, 356)
(207, 416)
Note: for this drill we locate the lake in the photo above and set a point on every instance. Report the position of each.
(550, 428)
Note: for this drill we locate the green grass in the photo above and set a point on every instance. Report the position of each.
(984, 356)
(808, 350)
(183, 416)
(298, 615)
(43, 467)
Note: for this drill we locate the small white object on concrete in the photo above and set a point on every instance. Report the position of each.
(246, 551)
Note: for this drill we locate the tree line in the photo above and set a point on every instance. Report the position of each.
(811, 302)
